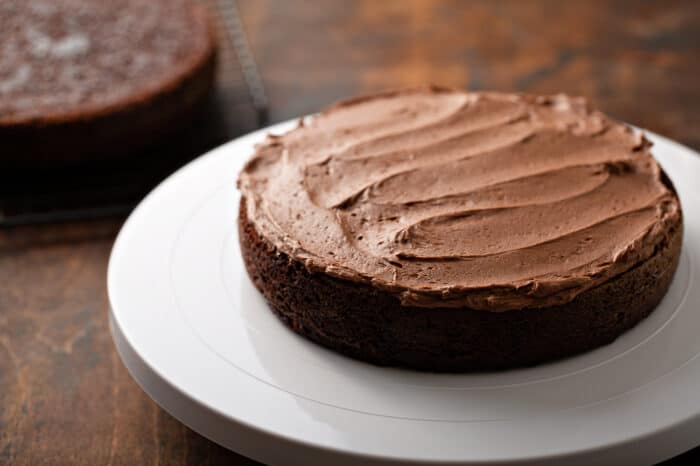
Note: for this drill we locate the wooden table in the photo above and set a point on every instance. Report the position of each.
(65, 397)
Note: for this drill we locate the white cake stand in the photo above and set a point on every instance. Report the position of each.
(201, 342)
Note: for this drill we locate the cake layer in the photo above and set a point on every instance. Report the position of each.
(63, 59)
(87, 81)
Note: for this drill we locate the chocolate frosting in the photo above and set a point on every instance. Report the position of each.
(449, 199)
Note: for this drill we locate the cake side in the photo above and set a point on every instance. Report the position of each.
(370, 324)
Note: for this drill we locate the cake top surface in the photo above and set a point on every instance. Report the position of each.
(448, 198)
(64, 57)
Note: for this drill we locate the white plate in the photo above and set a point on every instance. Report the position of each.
(201, 342)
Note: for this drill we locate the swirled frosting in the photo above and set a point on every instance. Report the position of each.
(449, 199)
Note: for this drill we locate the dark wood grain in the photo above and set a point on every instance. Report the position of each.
(65, 397)
(635, 59)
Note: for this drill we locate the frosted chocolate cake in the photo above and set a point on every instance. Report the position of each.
(451, 231)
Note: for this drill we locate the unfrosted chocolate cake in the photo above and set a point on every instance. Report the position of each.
(451, 231)
(97, 79)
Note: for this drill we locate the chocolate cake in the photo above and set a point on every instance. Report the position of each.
(98, 79)
(451, 231)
